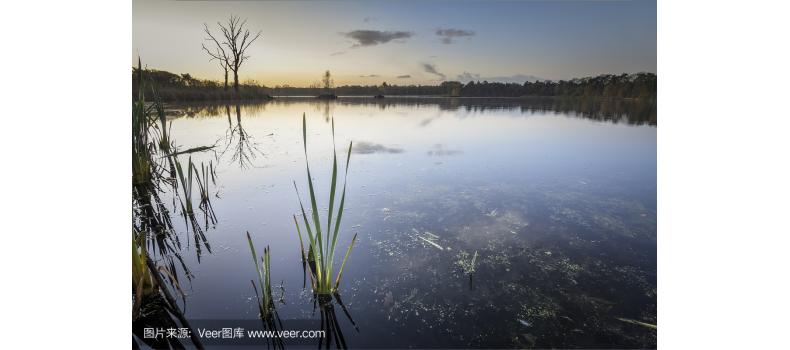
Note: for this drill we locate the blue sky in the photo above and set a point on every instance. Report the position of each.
(369, 42)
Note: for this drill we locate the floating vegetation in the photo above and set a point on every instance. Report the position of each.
(430, 240)
(554, 263)
(321, 250)
(466, 264)
(567, 298)
(638, 323)
(192, 150)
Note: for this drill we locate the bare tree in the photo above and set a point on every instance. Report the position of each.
(235, 41)
(217, 54)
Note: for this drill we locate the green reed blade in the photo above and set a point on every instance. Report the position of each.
(255, 259)
(314, 205)
(260, 305)
(340, 210)
(315, 253)
(301, 242)
(268, 270)
(343, 265)
(333, 183)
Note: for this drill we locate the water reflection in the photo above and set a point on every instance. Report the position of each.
(244, 148)
(329, 322)
(617, 110)
(483, 222)
(159, 187)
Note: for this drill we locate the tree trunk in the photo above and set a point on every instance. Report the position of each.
(236, 81)
(226, 79)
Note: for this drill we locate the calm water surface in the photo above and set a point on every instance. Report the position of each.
(558, 200)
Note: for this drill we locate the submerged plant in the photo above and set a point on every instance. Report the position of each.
(321, 251)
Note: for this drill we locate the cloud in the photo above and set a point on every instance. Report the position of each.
(431, 68)
(516, 78)
(447, 35)
(405, 76)
(375, 37)
(368, 19)
(338, 53)
(369, 76)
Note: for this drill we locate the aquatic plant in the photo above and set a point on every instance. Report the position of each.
(430, 238)
(141, 157)
(264, 296)
(186, 185)
(143, 282)
(635, 322)
(187, 208)
(322, 243)
(192, 173)
(263, 292)
(203, 188)
(468, 266)
(329, 322)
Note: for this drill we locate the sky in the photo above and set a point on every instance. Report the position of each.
(404, 42)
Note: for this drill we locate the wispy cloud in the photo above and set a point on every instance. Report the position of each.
(375, 37)
(447, 35)
(338, 53)
(405, 76)
(431, 68)
(369, 76)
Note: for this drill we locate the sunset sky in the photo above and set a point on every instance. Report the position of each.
(405, 42)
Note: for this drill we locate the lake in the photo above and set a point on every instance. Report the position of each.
(493, 223)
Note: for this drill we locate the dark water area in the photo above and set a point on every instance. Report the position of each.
(553, 199)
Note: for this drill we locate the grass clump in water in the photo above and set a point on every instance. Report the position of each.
(263, 292)
(264, 296)
(322, 243)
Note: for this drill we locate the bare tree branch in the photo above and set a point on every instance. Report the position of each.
(236, 39)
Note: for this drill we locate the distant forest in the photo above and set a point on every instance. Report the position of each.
(183, 87)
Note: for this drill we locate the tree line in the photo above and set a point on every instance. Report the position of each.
(174, 87)
(639, 85)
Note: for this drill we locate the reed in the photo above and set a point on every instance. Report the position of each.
(203, 188)
(142, 281)
(141, 157)
(322, 240)
(186, 185)
(263, 292)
